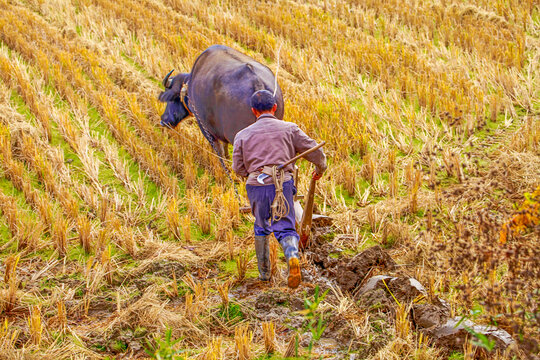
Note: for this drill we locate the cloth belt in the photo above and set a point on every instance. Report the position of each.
(268, 170)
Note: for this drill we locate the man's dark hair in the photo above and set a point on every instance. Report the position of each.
(262, 100)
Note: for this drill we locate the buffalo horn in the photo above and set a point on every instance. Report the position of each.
(166, 79)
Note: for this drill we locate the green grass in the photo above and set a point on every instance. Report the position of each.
(5, 234)
(348, 252)
(7, 188)
(119, 346)
(233, 313)
(5, 237)
(140, 69)
(56, 138)
(106, 174)
(21, 107)
(350, 201)
(97, 125)
(46, 254)
(76, 253)
(229, 266)
(279, 357)
(456, 355)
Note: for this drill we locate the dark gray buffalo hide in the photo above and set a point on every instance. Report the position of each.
(219, 88)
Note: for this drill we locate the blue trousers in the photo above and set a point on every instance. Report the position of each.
(260, 199)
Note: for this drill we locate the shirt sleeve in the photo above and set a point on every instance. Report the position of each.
(238, 158)
(302, 143)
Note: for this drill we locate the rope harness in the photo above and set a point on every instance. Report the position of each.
(183, 97)
(280, 206)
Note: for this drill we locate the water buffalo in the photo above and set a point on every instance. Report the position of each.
(218, 91)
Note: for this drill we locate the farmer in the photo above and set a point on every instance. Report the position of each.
(257, 149)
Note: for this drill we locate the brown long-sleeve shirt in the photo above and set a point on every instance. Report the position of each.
(270, 141)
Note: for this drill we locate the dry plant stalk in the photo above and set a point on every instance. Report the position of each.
(186, 228)
(230, 244)
(25, 231)
(190, 307)
(348, 177)
(102, 239)
(8, 335)
(403, 324)
(173, 218)
(106, 263)
(203, 185)
(59, 235)
(35, 326)
(29, 235)
(372, 219)
(200, 289)
(220, 233)
(417, 183)
(62, 317)
(230, 209)
(174, 286)
(368, 169)
(273, 258)
(127, 240)
(242, 341)
(8, 297)
(432, 174)
(11, 267)
(45, 210)
(242, 262)
(10, 213)
(469, 350)
(190, 171)
(453, 164)
(409, 174)
(293, 345)
(84, 229)
(213, 350)
(269, 335)
(429, 226)
(103, 209)
(204, 217)
(392, 160)
(223, 290)
(394, 186)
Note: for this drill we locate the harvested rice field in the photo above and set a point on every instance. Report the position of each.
(122, 239)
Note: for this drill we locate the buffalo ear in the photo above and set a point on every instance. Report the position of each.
(168, 95)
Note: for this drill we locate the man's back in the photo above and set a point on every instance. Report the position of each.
(271, 141)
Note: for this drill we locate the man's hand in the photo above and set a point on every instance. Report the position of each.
(316, 176)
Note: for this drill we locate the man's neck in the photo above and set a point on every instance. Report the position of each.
(266, 113)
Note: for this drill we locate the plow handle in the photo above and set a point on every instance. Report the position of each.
(309, 151)
(263, 176)
(307, 216)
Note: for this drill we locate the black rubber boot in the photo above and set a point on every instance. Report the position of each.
(262, 249)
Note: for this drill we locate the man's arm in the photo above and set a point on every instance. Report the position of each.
(302, 142)
(238, 159)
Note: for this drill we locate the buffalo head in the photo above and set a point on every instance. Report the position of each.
(175, 110)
